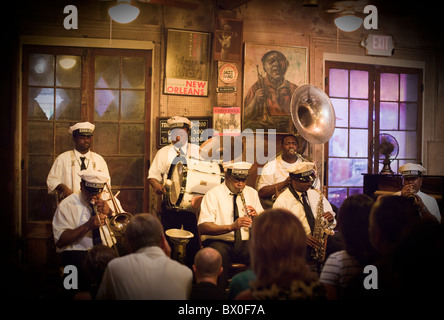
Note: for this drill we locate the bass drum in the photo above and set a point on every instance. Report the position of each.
(190, 178)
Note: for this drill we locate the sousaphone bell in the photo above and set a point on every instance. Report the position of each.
(312, 114)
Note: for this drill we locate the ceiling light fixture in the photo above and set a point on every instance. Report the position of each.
(123, 11)
(348, 22)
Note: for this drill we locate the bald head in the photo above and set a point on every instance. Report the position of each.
(207, 263)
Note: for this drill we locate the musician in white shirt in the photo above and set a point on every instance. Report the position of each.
(63, 178)
(179, 150)
(412, 178)
(217, 222)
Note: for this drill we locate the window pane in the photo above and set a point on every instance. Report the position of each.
(359, 113)
(336, 196)
(389, 87)
(338, 83)
(346, 172)
(68, 71)
(358, 143)
(106, 138)
(408, 116)
(409, 87)
(106, 104)
(133, 137)
(133, 105)
(40, 137)
(338, 143)
(107, 73)
(125, 171)
(38, 168)
(40, 103)
(407, 141)
(133, 73)
(388, 116)
(41, 205)
(358, 84)
(62, 137)
(341, 111)
(68, 104)
(41, 70)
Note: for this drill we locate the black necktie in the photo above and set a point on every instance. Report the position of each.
(96, 231)
(308, 212)
(237, 233)
(83, 166)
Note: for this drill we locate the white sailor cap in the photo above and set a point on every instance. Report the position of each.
(94, 180)
(178, 122)
(82, 128)
(412, 170)
(303, 170)
(239, 170)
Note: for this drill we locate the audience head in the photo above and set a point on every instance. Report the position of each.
(277, 248)
(207, 264)
(390, 218)
(144, 230)
(353, 223)
(97, 259)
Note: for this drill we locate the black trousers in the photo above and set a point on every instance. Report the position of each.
(229, 255)
(175, 219)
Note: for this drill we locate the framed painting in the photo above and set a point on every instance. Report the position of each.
(228, 40)
(187, 63)
(271, 75)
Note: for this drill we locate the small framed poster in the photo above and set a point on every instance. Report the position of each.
(187, 63)
(197, 132)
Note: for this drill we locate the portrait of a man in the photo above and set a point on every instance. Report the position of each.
(272, 74)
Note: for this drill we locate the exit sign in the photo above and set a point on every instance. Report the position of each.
(379, 45)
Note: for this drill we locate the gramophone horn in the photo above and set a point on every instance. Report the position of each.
(313, 114)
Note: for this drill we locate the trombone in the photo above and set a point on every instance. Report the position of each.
(116, 224)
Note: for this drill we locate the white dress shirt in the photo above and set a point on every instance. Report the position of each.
(147, 274)
(286, 200)
(165, 156)
(275, 171)
(71, 213)
(217, 207)
(67, 166)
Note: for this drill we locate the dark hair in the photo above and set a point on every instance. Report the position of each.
(394, 216)
(353, 223)
(144, 230)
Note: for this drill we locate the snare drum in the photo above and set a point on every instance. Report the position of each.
(189, 179)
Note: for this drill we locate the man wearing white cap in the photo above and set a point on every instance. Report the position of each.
(303, 201)
(274, 178)
(63, 178)
(179, 150)
(77, 220)
(412, 177)
(227, 212)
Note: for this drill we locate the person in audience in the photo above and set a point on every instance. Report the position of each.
(277, 251)
(412, 179)
(148, 273)
(391, 219)
(341, 266)
(240, 282)
(207, 268)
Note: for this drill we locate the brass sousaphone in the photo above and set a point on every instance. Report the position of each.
(312, 114)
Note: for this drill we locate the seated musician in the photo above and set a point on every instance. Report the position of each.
(412, 179)
(179, 150)
(77, 220)
(227, 212)
(301, 199)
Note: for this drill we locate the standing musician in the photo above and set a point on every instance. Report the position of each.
(412, 178)
(63, 178)
(179, 150)
(227, 212)
(274, 178)
(303, 201)
(78, 219)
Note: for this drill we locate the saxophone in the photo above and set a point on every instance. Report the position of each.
(321, 231)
